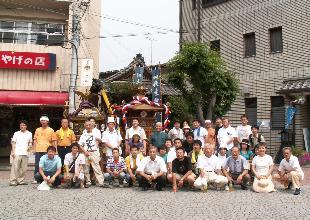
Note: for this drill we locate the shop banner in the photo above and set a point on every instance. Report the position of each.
(156, 97)
(27, 60)
(138, 77)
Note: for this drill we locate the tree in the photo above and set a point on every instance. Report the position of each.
(203, 77)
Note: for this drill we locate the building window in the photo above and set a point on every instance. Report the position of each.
(209, 3)
(31, 33)
(215, 45)
(251, 110)
(277, 112)
(276, 40)
(249, 45)
(194, 4)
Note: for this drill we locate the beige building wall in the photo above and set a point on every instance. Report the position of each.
(263, 74)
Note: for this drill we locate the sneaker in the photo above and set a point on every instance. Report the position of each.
(34, 182)
(226, 188)
(13, 184)
(121, 185)
(87, 185)
(297, 191)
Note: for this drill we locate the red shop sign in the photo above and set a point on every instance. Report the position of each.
(27, 60)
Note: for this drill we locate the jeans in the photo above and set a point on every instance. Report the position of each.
(39, 178)
(129, 180)
(37, 157)
(109, 177)
(62, 151)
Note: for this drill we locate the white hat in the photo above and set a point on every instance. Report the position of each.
(186, 127)
(44, 118)
(223, 145)
(263, 183)
(111, 120)
(208, 121)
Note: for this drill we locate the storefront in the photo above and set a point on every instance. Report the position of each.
(29, 106)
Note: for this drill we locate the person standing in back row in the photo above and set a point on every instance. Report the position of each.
(89, 144)
(43, 138)
(63, 138)
(243, 130)
(21, 144)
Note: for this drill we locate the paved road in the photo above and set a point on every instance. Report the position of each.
(25, 202)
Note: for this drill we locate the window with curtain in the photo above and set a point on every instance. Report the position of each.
(251, 110)
(209, 3)
(249, 44)
(277, 112)
(276, 40)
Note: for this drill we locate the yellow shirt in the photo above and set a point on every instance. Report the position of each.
(43, 138)
(134, 164)
(68, 138)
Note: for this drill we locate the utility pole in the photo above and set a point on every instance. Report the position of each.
(151, 40)
(74, 59)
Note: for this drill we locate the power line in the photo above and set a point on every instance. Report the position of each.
(122, 20)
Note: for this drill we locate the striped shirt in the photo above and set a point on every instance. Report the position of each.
(116, 165)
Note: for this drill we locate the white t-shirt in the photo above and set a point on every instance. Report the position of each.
(79, 161)
(95, 130)
(262, 164)
(112, 138)
(176, 133)
(244, 132)
(222, 159)
(151, 167)
(22, 140)
(292, 163)
(88, 141)
(208, 163)
(172, 154)
(225, 134)
(200, 135)
(131, 131)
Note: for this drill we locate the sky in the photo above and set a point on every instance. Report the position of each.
(117, 52)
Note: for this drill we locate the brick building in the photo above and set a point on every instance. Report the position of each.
(267, 44)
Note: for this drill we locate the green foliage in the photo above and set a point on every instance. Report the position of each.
(200, 73)
(298, 151)
(122, 91)
(180, 109)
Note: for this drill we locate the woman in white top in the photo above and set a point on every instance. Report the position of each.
(262, 166)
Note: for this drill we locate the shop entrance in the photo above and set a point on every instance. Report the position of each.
(9, 123)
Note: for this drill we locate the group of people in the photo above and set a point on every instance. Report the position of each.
(199, 157)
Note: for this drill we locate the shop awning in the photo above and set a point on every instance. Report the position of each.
(33, 98)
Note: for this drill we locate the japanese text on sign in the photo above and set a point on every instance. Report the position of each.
(27, 60)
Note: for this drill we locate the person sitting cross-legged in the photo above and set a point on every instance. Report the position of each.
(210, 168)
(74, 167)
(116, 168)
(152, 169)
(132, 162)
(181, 170)
(289, 172)
(49, 166)
(236, 169)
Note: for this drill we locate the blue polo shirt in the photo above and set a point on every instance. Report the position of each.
(50, 165)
